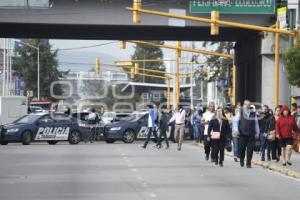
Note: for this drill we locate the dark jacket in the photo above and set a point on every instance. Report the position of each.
(263, 125)
(271, 124)
(214, 126)
(163, 121)
(247, 126)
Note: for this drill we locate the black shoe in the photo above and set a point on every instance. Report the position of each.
(143, 146)
(221, 164)
(284, 164)
(277, 159)
(216, 163)
(207, 157)
(235, 160)
(248, 166)
(242, 163)
(289, 163)
(263, 159)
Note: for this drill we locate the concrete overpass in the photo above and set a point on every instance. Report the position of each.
(108, 19)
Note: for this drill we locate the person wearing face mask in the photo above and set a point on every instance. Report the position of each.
(179, 118)
(248, 130)
(285, 128)
(265, 144)
(235, 133)
(218, 134)
(207, 116)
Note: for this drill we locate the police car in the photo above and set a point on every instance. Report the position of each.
(49, 127)
(135, 127)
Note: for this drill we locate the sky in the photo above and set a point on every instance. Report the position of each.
(74, 51)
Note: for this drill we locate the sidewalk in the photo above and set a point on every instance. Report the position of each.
(291, 171)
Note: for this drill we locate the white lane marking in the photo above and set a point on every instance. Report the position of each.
(130, 165)
(133, 170)
(152, 195)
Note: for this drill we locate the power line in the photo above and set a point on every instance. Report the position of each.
(86, 47)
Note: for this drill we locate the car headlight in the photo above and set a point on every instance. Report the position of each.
(12, 130)
(115, 128)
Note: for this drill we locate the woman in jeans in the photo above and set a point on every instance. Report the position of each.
(235, 133)
(218, 126)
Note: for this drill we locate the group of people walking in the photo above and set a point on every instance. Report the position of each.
(241, 127)
(246, 126)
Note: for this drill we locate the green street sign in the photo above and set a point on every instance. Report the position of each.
(233, 6)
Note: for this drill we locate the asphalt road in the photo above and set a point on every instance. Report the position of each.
(126, 172)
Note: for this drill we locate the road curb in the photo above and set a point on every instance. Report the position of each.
(268, 166)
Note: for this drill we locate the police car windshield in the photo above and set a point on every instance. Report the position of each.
(28, 119)
(135, 116)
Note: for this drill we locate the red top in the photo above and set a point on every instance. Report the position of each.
(285, 126)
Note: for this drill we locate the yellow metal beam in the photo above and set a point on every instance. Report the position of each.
(276, 70)
(223, 55)
(234, 84)
(209, 21)
(152, 60)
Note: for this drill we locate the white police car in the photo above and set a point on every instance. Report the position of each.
(49, 127)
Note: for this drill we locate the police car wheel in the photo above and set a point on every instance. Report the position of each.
(26, 138)
(74, 137)
(52, 142)
(4, 143)
(129, 136)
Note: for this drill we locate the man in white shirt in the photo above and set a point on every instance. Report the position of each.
(207, 116)
(179, 118)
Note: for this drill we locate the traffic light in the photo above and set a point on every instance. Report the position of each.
(98, 65)
(136, 68)
(123, 44)
(137, 4)
(132, 73)
(214, 28)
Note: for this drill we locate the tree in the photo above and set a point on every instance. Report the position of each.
(292, 61)
(25, 66)
(221, 67)
(143, 52)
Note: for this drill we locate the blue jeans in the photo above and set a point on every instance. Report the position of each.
(265, 145)
(196, 133)
(235, 141)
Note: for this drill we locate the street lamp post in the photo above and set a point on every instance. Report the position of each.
(38, 65)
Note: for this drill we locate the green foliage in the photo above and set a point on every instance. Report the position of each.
(143, 52)
(25, 66)
(221, 64)
(292, 61)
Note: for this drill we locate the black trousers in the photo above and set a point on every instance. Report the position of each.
(246, 143)
(163, 132)
(218, 148)
(275, 148)
(150, 132)
(207, 146)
